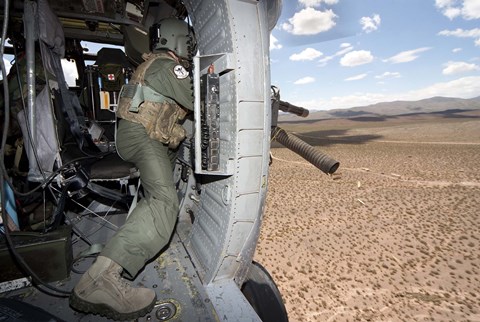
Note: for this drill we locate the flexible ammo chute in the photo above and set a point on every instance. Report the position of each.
(305, 150)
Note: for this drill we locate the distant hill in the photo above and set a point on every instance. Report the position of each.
(430, 105)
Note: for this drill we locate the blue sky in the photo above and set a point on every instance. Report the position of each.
(329, 54)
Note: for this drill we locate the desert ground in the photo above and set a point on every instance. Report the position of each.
(393, 235)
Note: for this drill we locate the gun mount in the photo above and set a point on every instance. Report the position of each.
(322, 161)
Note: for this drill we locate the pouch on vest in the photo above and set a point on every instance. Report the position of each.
(135, 93)
(165, 127)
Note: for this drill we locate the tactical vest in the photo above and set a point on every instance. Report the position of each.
(159, 115)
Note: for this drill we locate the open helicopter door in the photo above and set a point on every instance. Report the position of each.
(232, 121)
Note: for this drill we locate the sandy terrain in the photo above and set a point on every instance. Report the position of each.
(394, 235)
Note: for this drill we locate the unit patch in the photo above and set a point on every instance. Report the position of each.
(180, 72)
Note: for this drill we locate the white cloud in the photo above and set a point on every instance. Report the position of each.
(325, 60)
(357, 99)
(466, 87)
(452, 13)
(345, 48)
(355, 58)
(460, 33)
(304, 80)
(471, 9)
(370, 24)
(388, 75)
(406, 56)
(307, 54)
(274, 44)
(456, 50)
(317, 3)
(356, 77)
(467, 9)
(309, 21)
(444, 3)
(458, 67)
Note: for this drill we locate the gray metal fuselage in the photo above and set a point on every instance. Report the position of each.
(200, 275)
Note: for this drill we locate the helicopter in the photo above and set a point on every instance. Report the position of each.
(65, 190)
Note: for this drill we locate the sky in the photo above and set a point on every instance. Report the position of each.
(328, 54)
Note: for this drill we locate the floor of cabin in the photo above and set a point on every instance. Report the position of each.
(179, 290)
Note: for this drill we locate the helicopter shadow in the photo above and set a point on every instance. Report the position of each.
(324, 138)
(343, 136)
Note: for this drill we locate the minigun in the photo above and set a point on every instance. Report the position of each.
(293, 109)
(319, 159)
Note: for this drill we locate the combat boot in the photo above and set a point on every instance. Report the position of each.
(102, 290)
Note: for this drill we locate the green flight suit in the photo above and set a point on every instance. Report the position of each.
(149, 227)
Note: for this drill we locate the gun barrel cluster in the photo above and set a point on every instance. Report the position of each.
(290, 108)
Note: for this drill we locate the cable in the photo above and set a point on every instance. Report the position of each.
(47, 180)
(4, 77)
(35, 278)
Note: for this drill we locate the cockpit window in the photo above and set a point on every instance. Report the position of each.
(92, 48)
(7, 59)
(69, 69)
(70, 72)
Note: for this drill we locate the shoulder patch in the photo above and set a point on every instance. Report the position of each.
(180, 72)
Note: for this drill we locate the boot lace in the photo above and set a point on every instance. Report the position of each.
(123, 285)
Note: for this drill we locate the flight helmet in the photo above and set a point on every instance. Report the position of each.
(175, 35)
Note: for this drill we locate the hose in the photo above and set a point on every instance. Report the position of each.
(3, 174)
(319, 159)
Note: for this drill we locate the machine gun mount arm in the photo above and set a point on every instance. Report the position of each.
(319, 159)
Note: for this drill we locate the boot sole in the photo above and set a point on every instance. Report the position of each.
(105, 310)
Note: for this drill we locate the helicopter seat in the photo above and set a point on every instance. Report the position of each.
(104, 81)
(80, 160)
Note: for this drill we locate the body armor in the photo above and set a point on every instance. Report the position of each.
(159, 115)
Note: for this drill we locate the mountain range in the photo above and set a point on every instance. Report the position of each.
(425, 106)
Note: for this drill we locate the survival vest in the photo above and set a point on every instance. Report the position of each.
(159, 114)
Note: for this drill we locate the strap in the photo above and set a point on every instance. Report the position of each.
(135, 94)
(153, 96)
(128, 90)
(92, 250)
(70, 104)
(139, 93)
(18, 153)
(135, 198)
